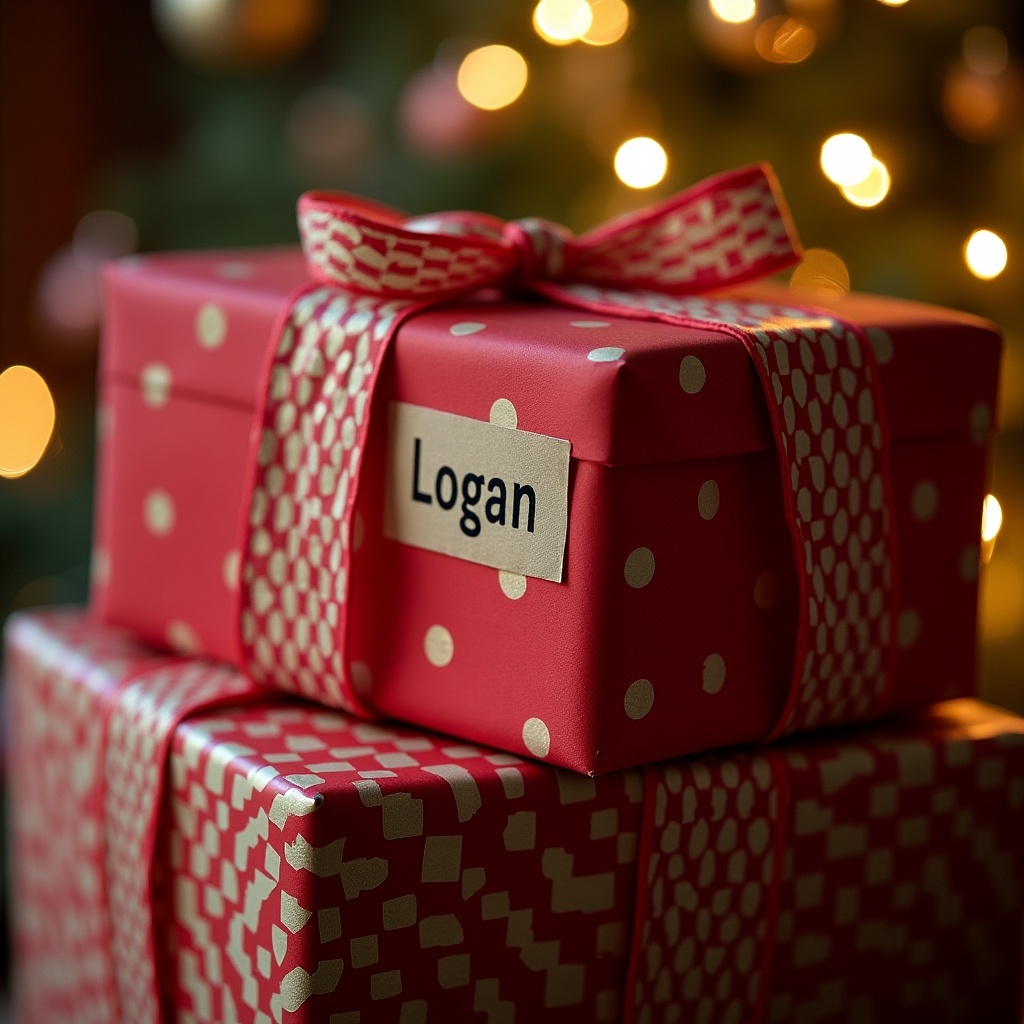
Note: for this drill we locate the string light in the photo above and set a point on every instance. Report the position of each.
(735, 12)
(27, 416)
(609, 22)
(492, 77)
(985, 254)
(846, 159)
(561, 22)
(872, 190)
(641, 162)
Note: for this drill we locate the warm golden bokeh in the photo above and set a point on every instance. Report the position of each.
(561, 22)
(872, 189)
(783, 40)
(27, 416)
(609, 22)
(846, 159)
(985, 254)
(492, 77)
(735, 12)
(641, 162)
(820, 272)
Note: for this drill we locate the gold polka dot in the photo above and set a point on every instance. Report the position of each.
(980, 422)
(766, 590)
(536, 737)
(503, 414)
(639, 567)
(230, 568)
(211, 325)
(692, 374)
(639, 698)
(924, 501)
(438, 646)
(970, 559)
(158, 512)
(182, 638)
(589, 323)
(713, 678)
(707, 500)
(908, 629)
(605, 355)
(513, 586)
(881, 344)
(467, 327)
(362, 678)
(155, 383)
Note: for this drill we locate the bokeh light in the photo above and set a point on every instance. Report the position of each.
(641, 162)
(27, 415)
(561, 22)
(105, 235)
(820, 272)
(872, 190)
(734, 12)
(434, 119)
(846, 159)
(991, 518)
(985, 50)
(492, 77)
(239, 33)
(985, 254)
(782, 40)
(330, 131)
(609, 22)
(894, 3)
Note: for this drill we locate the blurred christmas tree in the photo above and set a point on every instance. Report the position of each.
(200, 121)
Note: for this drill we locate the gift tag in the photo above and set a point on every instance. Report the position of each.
(479, 491)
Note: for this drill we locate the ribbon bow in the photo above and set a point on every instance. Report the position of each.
(728, 229)
(373, 268)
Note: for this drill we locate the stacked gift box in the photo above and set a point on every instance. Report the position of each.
(596, 545)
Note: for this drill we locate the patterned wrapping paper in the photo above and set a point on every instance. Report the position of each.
(677, 598)
(311, 867)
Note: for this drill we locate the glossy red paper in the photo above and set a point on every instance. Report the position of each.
(296, 865)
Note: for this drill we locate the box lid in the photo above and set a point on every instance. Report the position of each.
(613, 386)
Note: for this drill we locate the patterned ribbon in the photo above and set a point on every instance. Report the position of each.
(373, 268)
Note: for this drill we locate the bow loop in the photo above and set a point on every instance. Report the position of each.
(728, 229)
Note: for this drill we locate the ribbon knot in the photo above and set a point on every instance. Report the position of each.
(545, 249)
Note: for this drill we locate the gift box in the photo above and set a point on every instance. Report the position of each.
(182, 851)
(766, 517)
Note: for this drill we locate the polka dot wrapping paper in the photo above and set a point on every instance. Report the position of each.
(188, 846)
(773, 511)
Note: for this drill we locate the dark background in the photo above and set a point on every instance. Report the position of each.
(207, 139)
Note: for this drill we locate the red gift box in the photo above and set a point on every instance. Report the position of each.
(672, 629)
(295, 864)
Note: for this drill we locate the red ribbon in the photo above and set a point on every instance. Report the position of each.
(730, 228)
(373, 268)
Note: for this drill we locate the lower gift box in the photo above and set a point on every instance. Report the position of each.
(189, 848)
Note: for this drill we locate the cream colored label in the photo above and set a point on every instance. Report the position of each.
(489, 494)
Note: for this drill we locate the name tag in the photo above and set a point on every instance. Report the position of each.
(489, 494)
